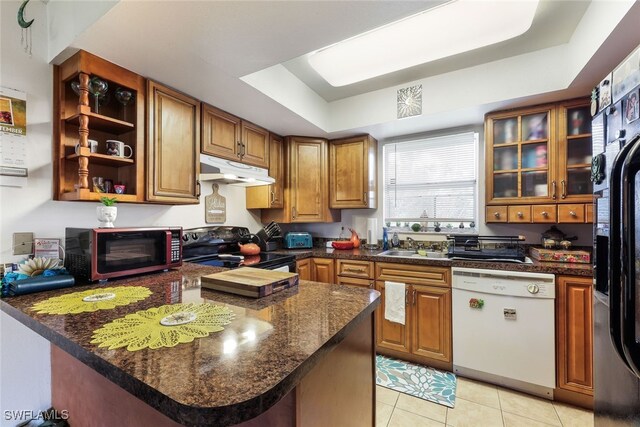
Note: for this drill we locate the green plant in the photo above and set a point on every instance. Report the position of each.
(108, 201)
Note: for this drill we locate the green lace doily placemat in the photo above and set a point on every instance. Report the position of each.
(92, 300)
(164, 326)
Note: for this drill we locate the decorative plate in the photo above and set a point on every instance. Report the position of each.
(410, 101)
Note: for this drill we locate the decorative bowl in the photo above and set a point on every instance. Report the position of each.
(343, 244)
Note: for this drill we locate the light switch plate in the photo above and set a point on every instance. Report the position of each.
(22, 243)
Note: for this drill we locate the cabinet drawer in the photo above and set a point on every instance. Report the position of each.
(364, 283)
(571, 213)
(496, 214)
(352, 268)
(544, 213)
(520, 213)
(588, 212)
(414, 274)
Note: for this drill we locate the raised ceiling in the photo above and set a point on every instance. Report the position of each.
(216, 51)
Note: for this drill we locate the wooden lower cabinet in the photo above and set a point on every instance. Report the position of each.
(391, 335)
(574, 346)
(323, 270)
(431, 336)
(303, 268)
(316, 269)
(426, 335)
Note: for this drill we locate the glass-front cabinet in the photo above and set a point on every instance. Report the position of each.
(539, 156)
(574, 173)
(520, 147)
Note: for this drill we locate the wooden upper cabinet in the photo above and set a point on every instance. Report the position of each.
(254, 145)
(574, 152)
(229, 137)
(270, 196)
(220, 133)
(539, 155)
(173, 159)
(574, 320)
(306, 191)
(352, 173)
(520, 155)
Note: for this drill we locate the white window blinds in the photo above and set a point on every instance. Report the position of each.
(437, 175)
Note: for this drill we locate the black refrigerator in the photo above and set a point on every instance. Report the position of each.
(616, 183)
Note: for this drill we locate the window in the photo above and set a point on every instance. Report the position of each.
(433, 177)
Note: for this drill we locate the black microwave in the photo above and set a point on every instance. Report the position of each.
(105, 253)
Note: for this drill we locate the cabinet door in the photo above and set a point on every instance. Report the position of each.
(173, 159)
(352, 177)
(323, 270)
(575, 334)
(391, 335)
(270, 196)
(574, 152)
(303, 268)
(308, 179)
(255, 145)
(520, 152)
(431, 307)
(220, 134)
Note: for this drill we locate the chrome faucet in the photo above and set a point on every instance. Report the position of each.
(410, 242)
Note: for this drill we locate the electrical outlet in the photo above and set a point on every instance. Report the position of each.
(22, 243)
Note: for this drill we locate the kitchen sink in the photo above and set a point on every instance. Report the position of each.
(397, 253)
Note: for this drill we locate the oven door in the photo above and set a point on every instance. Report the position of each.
(130, 252)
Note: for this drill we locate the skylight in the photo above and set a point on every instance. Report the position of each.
(452, 28)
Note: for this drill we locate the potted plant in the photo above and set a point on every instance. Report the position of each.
(107, 212)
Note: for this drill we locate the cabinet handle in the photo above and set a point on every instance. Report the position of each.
(293, 212)
(414, 296)
(553, 193)
(564, 189)
(371, 285)
(239, 149)
(406, 297)
(354, 270)
(199, 189)
(496, 214)
(273, 197)
(544, 214)
(573, 213)
(244, 149)
(364, 197)
(520, 214)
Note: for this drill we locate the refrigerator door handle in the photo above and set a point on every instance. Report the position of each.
(629, 170)
(615, 249)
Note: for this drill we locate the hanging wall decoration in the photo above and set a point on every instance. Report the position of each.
(26, 39)
(215, 207)
(409, 101)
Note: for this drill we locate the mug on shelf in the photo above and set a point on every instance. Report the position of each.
(93, 146)
(117, 148)
(119, 188)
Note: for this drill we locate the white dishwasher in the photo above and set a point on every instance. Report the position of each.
(504, 328)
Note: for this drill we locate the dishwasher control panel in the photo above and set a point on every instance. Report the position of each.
(512, 283)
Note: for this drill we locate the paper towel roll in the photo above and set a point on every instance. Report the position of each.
(372, 231)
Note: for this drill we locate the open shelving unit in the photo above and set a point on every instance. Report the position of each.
(79, 118)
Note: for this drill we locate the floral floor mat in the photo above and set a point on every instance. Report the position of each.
(416, 380)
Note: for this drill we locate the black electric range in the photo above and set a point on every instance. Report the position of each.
(487, 248)
(218, 247)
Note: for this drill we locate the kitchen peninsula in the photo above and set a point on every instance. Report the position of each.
(304, 356)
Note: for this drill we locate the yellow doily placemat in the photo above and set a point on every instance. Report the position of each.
(164, 326)
(92, 300)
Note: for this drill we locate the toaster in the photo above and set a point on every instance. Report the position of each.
(298, 240)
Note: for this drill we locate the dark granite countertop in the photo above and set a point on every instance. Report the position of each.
(227, 377)
(571, 269)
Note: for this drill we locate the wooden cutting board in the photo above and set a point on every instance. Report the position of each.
(250, 282)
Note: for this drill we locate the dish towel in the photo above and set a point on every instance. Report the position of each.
(394, 302)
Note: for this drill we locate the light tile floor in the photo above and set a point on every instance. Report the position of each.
(477, 405)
